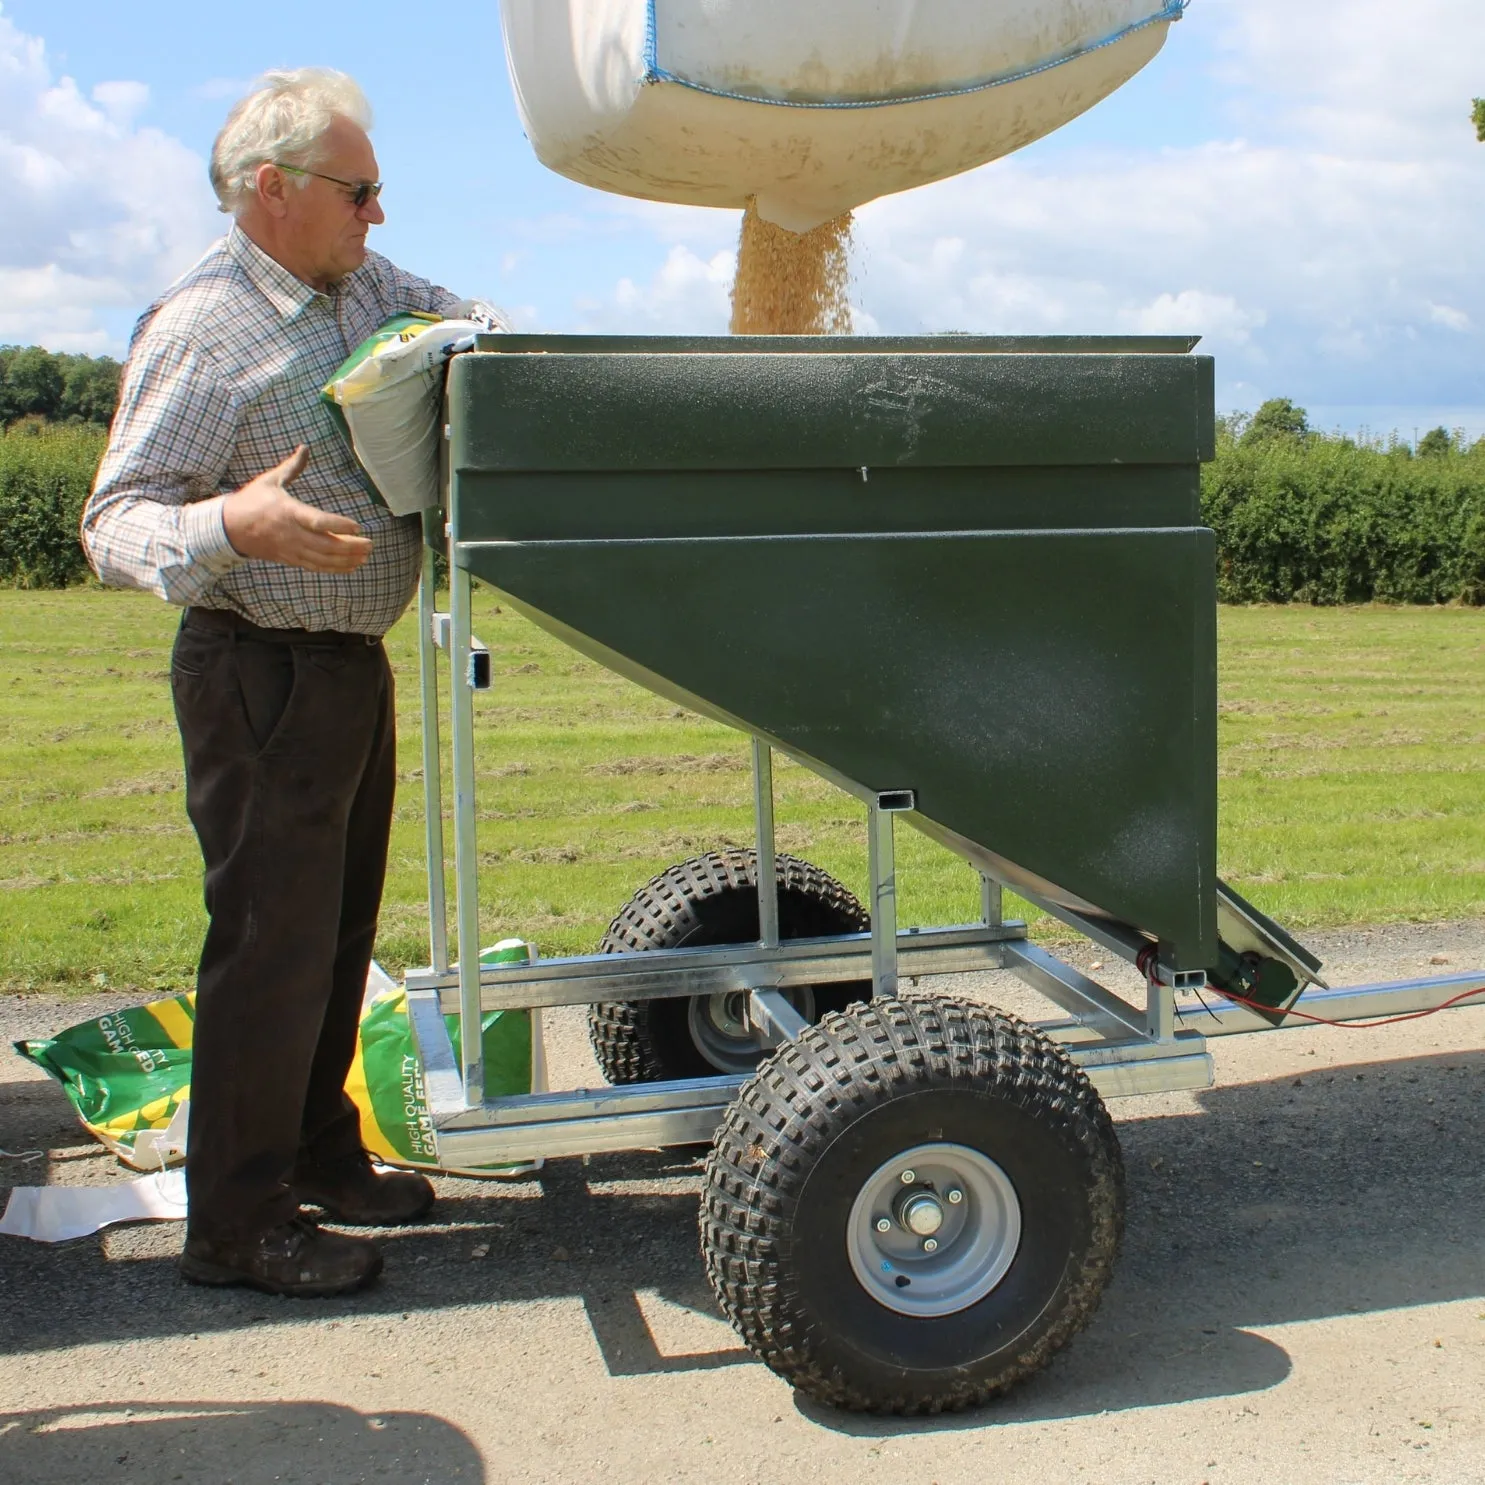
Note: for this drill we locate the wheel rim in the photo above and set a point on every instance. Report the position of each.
(721, 1033)
(934, 1255)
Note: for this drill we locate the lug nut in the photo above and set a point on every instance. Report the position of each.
(954, 1196)
(908, 1177)
(930, 1245)
(884, 1224)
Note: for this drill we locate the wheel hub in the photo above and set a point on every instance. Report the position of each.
(920, 1212)
(721, 1032)
(934, 1230)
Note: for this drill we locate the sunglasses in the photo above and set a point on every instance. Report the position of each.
(361, 191)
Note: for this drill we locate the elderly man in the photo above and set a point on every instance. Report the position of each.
(282, 690)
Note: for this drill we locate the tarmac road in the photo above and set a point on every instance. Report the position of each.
(1299, 1299)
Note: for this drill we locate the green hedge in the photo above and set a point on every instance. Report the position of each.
(1313, 519)
(1299, 517)
(45, 475)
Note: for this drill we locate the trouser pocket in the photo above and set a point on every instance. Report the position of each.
(265, 678)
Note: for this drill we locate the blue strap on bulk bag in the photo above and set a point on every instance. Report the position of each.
(1172, 10)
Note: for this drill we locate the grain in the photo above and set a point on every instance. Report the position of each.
(792, 283)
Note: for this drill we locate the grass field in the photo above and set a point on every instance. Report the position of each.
(1352, 786)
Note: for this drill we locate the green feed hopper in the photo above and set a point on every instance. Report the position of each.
(973, 569)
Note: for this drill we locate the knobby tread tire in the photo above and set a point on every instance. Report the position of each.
(702, 901)
(796, 1112)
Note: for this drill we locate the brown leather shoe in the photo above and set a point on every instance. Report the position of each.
(296, 1259)
(355, 1191)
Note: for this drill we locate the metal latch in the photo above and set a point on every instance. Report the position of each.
(477, 677)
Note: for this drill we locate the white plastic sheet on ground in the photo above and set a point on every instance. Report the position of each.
(812, 108)
(56, 1214)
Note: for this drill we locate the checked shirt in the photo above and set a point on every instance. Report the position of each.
(222, 383)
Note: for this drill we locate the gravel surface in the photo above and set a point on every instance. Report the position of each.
(1299, 1297)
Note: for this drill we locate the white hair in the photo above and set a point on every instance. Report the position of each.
(281, 122)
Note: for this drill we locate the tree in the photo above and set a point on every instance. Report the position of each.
(37, 383)
(90, 390)
(1277, 418)
(33, 384)
(1437, 443)
(1231, 426)
(1480, 119)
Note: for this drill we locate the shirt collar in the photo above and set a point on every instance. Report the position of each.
(286, 293)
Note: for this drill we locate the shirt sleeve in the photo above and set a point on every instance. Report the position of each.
(154, 518)
(407, 293)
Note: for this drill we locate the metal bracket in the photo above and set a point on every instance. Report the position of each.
(773, 1017)
(477, 677)
(1160, 996)
(992, 902)
(883, 871)
(1180, 979)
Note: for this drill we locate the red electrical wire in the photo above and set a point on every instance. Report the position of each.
(1433, 1010)
(1145, 962)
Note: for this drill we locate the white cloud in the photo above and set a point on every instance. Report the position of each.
(1366, 78)
(100, 213)
(47, 306)
(1449, 317)
(687, 293)
(1179, 314)
(121, 100)
(1321, 235)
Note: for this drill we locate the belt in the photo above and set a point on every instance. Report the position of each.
(225, 621)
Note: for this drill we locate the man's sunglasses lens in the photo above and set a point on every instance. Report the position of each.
(361, 191)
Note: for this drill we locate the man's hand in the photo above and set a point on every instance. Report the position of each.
(263, 520)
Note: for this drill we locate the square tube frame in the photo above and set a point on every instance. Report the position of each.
(1123, 1047)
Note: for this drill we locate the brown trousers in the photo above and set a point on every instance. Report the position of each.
(289, 747)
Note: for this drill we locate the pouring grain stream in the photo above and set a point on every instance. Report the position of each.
(792, 283)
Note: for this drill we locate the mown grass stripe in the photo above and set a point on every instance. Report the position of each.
(1352, 788)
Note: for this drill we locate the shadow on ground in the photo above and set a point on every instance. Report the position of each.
(234, 1443)
(1348, 1190)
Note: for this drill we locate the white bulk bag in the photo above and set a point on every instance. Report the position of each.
(811, 106)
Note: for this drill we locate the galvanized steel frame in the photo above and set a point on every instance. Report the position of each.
(1126, 1049)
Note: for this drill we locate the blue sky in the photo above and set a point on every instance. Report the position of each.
(1296, 181)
